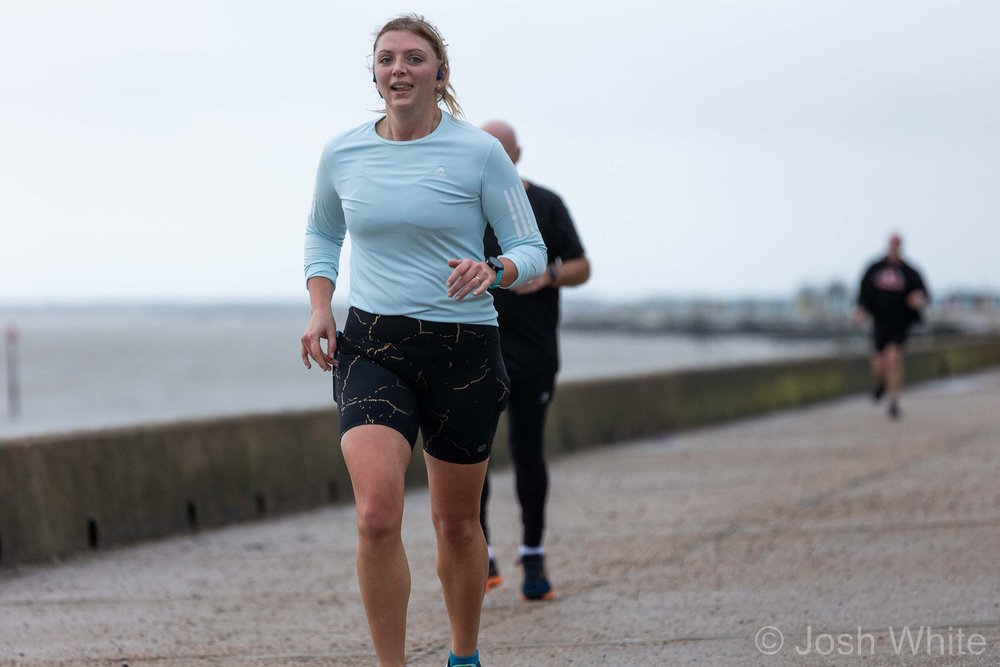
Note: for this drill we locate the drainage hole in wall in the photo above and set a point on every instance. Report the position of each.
(93, 535)
(192, 515)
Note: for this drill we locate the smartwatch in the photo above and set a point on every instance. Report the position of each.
(497, 266)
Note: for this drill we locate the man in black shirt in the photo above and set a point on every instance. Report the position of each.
(529, 318)
(894, 294)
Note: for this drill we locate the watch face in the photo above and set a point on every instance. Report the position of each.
(494, 263)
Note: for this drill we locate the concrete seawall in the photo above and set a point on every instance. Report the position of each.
(77, 492)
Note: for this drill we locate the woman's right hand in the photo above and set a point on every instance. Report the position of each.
(321, 325)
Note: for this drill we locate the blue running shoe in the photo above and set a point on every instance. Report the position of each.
(536, 583)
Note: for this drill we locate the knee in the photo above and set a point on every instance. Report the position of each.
(893, 354)
(379, 522)
(457, 527)
(527, 458)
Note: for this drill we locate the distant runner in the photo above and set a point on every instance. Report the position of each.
(894, 295)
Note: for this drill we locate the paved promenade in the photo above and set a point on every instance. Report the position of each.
(843, 531)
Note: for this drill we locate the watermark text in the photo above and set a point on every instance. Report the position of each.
(906, 640)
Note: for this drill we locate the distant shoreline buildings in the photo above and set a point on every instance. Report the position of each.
(810, 313)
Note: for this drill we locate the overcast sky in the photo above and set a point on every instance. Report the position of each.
(167, 150)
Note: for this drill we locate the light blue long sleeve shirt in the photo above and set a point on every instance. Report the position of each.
(409, 207)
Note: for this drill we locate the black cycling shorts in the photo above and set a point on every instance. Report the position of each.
(445, 380)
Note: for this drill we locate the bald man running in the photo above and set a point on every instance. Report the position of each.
(529, 319)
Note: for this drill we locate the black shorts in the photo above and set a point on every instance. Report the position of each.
(445, 380)
(889, 333)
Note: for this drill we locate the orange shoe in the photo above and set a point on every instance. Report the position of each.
(493, 578)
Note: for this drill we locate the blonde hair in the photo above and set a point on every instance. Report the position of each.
(421, 27)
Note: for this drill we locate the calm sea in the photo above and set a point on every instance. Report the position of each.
(83, 368)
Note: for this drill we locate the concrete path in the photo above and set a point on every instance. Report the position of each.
(841, 530)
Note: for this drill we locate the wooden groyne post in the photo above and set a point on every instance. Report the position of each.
(13, 374)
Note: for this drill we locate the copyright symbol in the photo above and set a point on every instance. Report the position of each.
(769, 640)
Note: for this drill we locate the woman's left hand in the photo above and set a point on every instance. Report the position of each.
(468, 277)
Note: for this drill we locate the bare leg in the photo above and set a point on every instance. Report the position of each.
(461, 548)
(377, 457)
(892, 357)
(878, 367)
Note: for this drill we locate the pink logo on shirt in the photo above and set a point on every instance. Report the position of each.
(889, 280)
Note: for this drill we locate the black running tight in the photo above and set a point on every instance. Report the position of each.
(529, 401)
